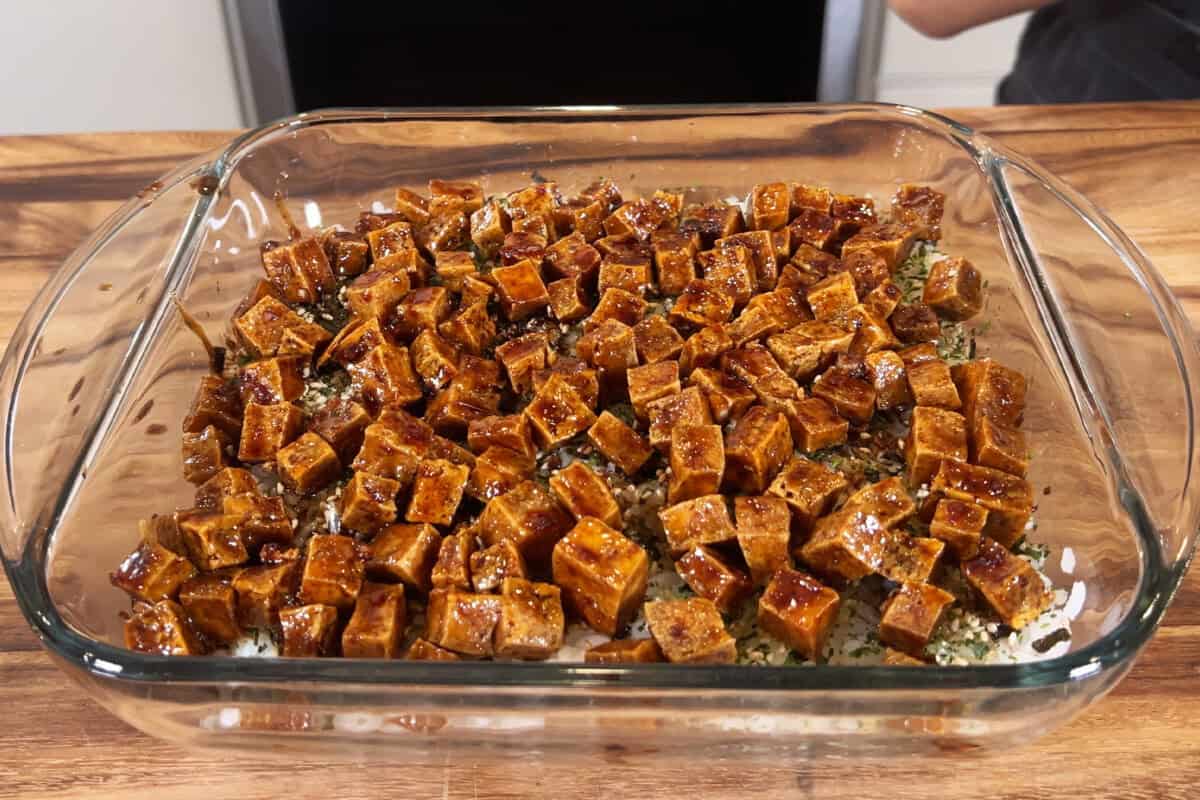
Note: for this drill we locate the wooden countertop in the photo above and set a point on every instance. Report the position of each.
(1136, 161)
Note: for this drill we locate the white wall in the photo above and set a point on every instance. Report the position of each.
(938, 73)
(78, 65)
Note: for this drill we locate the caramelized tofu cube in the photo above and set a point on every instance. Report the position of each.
(872, 333)
(919, 354)
(697, 462)
(215, 405)
(203, 454)
(853, 397)
(888, 375)
(786, 305)
(567, 301)
(307, 464)
(867, 269)
(510, 432)
(752, 323)
(960, 525)
(333, 571)
(262, 591)
(528, 516)
(911, 558)
(384, 454)
(711, 577)
(886, 500)
(341, 423)
(213, 540)
(750, 364)
(711, 221)
(152, 573)
(770, 206)
(652, 382)
(404, 553)
(425, 650)
(808, 266)
(999, 447)
(411, 206)
(989, 390)
(308, 631)
(602, 575)
(572, 257)
(585, 494)
(624, 651)
(354, 341)
(1013, 589)
(674, 260)
(162, 629)
(263, 520)
(731, 269)
(690, 631)
(954, 289)
(521, 356)
(447, 229)
(532, 622)
(702, 303)
(270, 328)
(832, 298)
(603, 191)
(532, 208)
(778, 392)
(910, 616)
(496, 471)
(702, 520)
(816, 229)
(521, 290)
(915, 322)
(369, 502)
(465, 195)
(853, 213)
(434, 359)
(1008, 499)
(377, 293)
(809, 488)
(934, 435)
(728, 397)
(656, 340)
(619, 443)
(763, 535)
(557, 413)
(224, 483)
(576, 373)
(817, 425)
(616, 305)
(920, 208)
(799, 611)
(583, 216)
(756, 448)
(883, 299)
(809, 346)
(491, 566)
(452, 570)
(385, 378)
(814, 197)
(625, 248)
(892, 242)
(521, 246)
(472, 328)
(422, 308)
(687, 407)
(894, 658)
(271, 380)
(437, 491)
(703, 348)
(452, 267)
(462, 622)
(377, 624)
(390, 239)
(211, 604)
(300, 271)
(640, 218)
(610, 347)
(847, 544)
(632, 278)
(931, 385)
(346, 252)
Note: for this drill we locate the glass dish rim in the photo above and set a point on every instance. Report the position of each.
(27, 574)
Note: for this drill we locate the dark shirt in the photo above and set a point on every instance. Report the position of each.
(1078, 51)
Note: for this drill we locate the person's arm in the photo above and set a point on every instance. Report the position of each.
(943, 18)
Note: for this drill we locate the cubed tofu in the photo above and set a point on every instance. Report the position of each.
(753, 323)
(385, 455)
(270, 328)
(521, 356)
(910, 615)
(489, 225)
(404, 553)
(808, 347)
(656, 340)
(333, 571)
(1008, 499)
(532, 623)
(572, 257)
(632, 278)
(162, 629)
(687, 407)
(770, 206)
(887, 500)
(960, 525)
(568, 302)
(616, 305)
(931, 385)
(1000, 447)
(779, 392)
(557, 413)
(867, 269)
(809, 488)
(730, 269)
(262, 591)
(853, 213)
(377, 293)
(437, 491)
(610, 348)
(847, 544)
(385, 378)
(422, 308)
(471, 329)
(814, 197)
(425, 650)
(871, 333)
(954, 289)
(342, 424)
(934, 435)
(704, 348)
(521, 290)
(814, 228)
(299, 271)
(728, 397)
(347, 252)
(702, 520)
(889, 376)
(697, 462)
(711, 221)
(307, 464)
(690, 631)
(263, 520)
(639, 218)
(369, 502)
(452, 569)
(624, 651)
(224, 483)
(702, 303)
(921, 208)
(204, 454)
(446, 229)
(529, 516)
(582, 378)
(532, 208)
(602, 575)
(377, 625)
(216, 404)
(1008, 584)
(883, 299)
(272, 380)
(914, 323)
(434, 359)
(581, 215)
(585, 494)
(832, 298)
(808, 265)
(919, 354)
(652, 382)
(712, 577)
(452, 267)
(390, 239)
(850, 395)
(911, 558)
(464, 195)
(763, 535)
(452, 410)
(990, 390)
(211, 604)
(755, 450)
(786, 305)
(625, 248)
(799, 611)
(619, 443)
(511, 432)
(213, 540)
(355, 340)
(462, 622)
(674, 260)
(491, 566)
(893, 242)
(816, 425)
(496, 471)
(152, 573)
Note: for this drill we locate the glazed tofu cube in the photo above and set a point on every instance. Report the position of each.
(892, 242)
(452, 267)
(728, 397)
(752, 323)
(833, 297)
(521, 356)
(787, 306)
(535, 202)
(920, 208)
(462, 622)
(602, 575)
(778, 392)
(426, 307)
(471, 329)
(576, 373)
(333, 571)
(690, 631)
(914, 323)
(224, 483)
(616, 305)
(307, 464)
(390, 239)
(989, 390)
(557, 413)
(911, 559)
(867, 269)
(652, 382)
(491, 566)
(960, 525)
(703, 520)
(447, 229)
(603, 191)
(412, 207)
(585, 494)
(883, 299)
(528, 516)
(162, 629)
(1008, 499)
(385, 378)
(271, 380)
(853, 397)
(425, 650)
(347, 252)
(809, 346)
(384, 454)
(619, 443)
(610, 348)
(625, 248)
(872, 333)
(583, 216)
(853, 213)
(300, 271)
(931, 385)
(687, 407)
(954, 289)
(466, 195)
(763, 535)
(369, 502)
(674, 260)
(847, 544)
(624, 651)
(711, 577)
(730, 269)
(632, 278)
(353, 341)
(887, 500)
(815, 197)
(809, 488)
(152, 573)
(496, 471)
(521, 290)
(567, 300)
(757, 447)
(999, 447)
(437, 491)
(523, 246)
(342, 424)
(816, 425)
(656, 340)
(910, 615)
(809, 265)
(919, 354)
(404, 553)
(264, 520)
(1008, 584)
(211, 604)
(376, 293)
(702, 303)
(816, 229)
(377, 624)
(532, 622)
(434, 359)
(511, 432)
(935, 434)
(697, 462)
(270, 328)
(888, 375)
(213, 540)
(703, 348)
(770, 206)
(452, 410)
(262, 591)
(750, 364)
(639, 218)
(216, 405)
(204, 454)
(799, 611)
(452, 569)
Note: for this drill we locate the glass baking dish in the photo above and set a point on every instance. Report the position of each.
(102, 367)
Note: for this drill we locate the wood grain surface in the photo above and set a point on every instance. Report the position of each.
(1138, 162)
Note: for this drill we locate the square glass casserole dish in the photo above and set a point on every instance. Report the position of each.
(102, 368)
